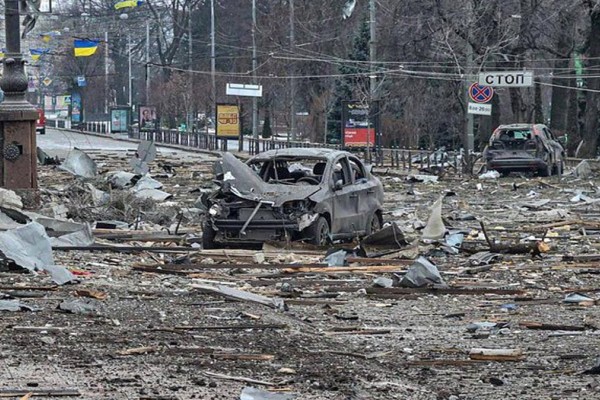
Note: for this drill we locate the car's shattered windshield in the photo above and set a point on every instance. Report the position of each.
(514, 139)
(291, 171)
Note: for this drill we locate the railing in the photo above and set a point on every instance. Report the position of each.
(394, 158)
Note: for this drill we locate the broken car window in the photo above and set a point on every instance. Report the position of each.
(291, 171)
(358, 170)
(341, 172)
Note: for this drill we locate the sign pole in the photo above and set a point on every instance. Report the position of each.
(469, 123)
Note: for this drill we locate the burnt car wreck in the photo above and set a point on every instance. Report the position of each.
(524, 148)
(315, 195)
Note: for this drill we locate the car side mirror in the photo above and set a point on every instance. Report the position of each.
(339, 184)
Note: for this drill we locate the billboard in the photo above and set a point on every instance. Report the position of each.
(148, 119)
(228, 121)
(119, 119)
(360, 123)
(76, 116)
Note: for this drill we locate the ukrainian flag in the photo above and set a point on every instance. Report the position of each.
(2, 53)
(36, 53)
(85, 48)
(128, 4)
(46, 37)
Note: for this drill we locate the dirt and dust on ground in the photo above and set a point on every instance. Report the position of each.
(495, 294)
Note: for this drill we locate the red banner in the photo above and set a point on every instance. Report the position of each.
(357, 137)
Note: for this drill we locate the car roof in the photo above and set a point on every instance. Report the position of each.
(520, 126)
(299, 152)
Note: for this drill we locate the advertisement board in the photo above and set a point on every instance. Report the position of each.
(360, 123)
(148, 119)
(119, 119)
(228, 121)
(75, 108)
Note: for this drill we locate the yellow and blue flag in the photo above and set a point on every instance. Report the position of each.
(47, 36)
(85, 47)
(37, 53)
(2, 53)
(128, 4)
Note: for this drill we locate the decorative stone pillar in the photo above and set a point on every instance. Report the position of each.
(18, 151)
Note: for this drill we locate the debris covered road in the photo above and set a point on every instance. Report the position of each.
(151, 315)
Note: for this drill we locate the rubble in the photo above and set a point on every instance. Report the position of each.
(80, 164)
(9, 199)
(422, 273)
(146, 312)
(251, 393)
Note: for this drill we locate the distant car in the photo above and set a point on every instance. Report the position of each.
(40, 124)
(311, 194)
(524, 148)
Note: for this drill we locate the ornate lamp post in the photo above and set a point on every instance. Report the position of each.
(18, 168)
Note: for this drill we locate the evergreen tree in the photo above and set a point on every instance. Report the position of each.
(348, 86)
(266, 129)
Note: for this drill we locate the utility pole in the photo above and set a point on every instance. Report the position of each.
(292, 78)
(254, 80)
(106, 94)
(147, 62)
(18, 166)
(372, 77)
(469, 73)
(212, 51)
(130, 99)
(190, 118)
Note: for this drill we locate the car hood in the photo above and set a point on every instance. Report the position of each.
(242, 181)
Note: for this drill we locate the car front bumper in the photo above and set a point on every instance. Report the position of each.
(228, 231)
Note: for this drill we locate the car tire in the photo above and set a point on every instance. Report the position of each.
(547, 171)
(560, 169)
(373, 224)
(319, 232)
(208, 236)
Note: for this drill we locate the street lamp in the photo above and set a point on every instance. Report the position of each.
(125, 16)
(18, 169)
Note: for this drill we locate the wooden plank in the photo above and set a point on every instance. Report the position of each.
(550, 327)
(243, 356)
(344, 270)
(4, 393)
(496, 354)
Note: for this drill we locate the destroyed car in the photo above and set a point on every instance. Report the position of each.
(524, 147)
(316, 195)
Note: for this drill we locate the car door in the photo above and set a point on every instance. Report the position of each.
(366, 189)
(345, 199)
(556, 146)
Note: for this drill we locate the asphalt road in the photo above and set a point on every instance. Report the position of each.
(59, 143)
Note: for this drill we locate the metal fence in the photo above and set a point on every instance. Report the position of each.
(394, 158)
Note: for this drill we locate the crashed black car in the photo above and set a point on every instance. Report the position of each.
(525, 148)
(315, 195)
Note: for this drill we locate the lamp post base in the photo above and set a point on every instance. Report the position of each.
(18, 150)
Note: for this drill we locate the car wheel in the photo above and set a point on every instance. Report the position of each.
(208, 236)
(560, 168)
(319, 232)
(546, 171)
(373, 224)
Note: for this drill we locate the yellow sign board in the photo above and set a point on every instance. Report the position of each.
(228, 121)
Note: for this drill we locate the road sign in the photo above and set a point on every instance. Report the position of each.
(480, 109)
(240, 89)
(480, 94)
(506, 78)
(47, 81)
